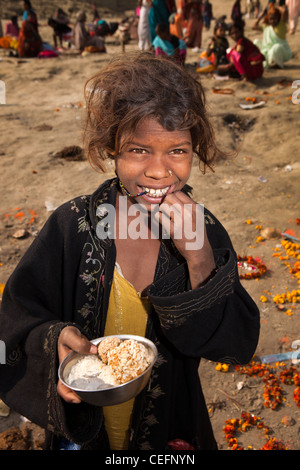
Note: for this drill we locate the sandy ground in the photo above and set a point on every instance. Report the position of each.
(44, 113)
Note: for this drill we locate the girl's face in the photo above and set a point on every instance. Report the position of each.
(235, 33)
(221, 32)
(156, 160)
(273, 19)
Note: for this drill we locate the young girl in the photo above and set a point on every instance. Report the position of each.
(273, 45)
(74, 284)
(168, 44)
(216, 51)
(244, 57)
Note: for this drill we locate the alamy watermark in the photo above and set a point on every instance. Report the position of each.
(2, 352)
(295, 99)
(295, 356)
(183, 221)
(2, 92)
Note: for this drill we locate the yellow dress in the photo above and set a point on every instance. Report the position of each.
(127, 314)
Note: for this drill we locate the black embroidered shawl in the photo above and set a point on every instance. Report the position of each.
(65, 278)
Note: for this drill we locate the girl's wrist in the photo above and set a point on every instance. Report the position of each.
(201, 272)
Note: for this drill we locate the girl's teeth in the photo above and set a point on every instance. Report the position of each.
(156, 192)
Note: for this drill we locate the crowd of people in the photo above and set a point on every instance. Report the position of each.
(148, 116)
(26, 41)
(171, 28)
(247, 59)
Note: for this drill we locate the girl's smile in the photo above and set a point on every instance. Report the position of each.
(155, 163)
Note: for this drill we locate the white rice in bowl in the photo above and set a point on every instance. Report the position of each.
(124, 362)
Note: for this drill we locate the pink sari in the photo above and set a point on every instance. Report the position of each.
(247, 59)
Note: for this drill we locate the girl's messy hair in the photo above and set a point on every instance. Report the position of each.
(273, 11)
(137, 86)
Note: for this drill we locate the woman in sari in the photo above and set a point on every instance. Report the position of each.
(168, 44)
(30, 43)
(159, 13)
(245, 58)
(274, 45)
(192, 16)
(81, 38)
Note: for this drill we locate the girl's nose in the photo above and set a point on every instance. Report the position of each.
(157, 168)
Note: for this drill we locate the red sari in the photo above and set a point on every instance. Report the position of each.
(247, 59)
(30, 42)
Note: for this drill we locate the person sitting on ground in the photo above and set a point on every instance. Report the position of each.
(12, 28)
(60, 26)
(273, 45)
(81, 38)
(244, 58)
(218, 45)
(168, 44)
(215, 54)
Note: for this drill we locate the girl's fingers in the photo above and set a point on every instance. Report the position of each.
(67, 394)
(70, 339)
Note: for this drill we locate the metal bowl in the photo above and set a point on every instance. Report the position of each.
(113, 395)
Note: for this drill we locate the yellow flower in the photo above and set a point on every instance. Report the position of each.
(289, 312)
(263, 298)
(222, 367)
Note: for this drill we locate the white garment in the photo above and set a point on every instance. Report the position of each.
(143, 27)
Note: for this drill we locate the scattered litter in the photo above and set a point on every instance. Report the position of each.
(287, 235)
(288, 168)
(72, 105)
(240, 385)
(270, 233)
(223, 91)
(22, 233)
(294, 356)
(220, 77)
(50, 205)
(262, 179)
(260, 104)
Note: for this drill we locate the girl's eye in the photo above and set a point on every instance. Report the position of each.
(138, 151)
(177, 152)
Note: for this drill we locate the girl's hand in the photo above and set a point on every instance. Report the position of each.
(70, 339)
(183, 219)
